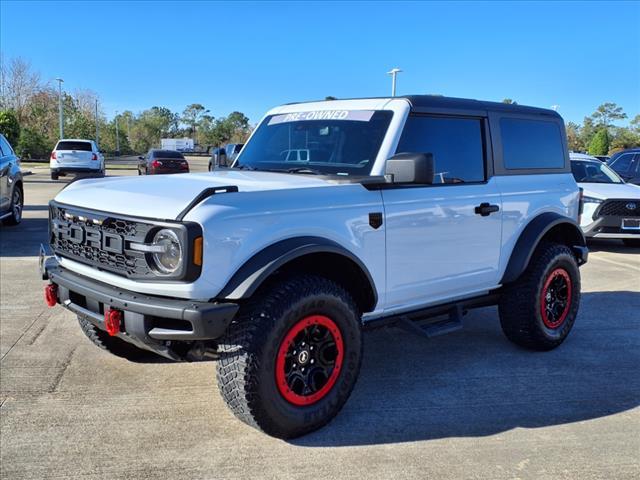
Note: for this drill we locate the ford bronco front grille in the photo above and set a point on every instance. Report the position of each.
(619, 208)
(100, 240)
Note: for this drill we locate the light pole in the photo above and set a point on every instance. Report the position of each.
(97, 131)
(60, 81)
(117, 137)
(393, 72)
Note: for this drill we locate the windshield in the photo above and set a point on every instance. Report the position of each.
(592, 172)
(333, 142)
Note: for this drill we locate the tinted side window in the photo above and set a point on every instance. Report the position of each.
(531, 144)
(5, 148)
(622, 163)
(456, 144)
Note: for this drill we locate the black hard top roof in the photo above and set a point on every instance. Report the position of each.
(436, 102)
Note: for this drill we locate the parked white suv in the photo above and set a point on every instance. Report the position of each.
(394, 210)
(611, 206)
(72, 155)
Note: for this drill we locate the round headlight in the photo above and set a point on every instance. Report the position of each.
(170, 258)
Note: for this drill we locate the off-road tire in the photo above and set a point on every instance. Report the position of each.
(113, 345)
(522, 306)
(250, 352)
(54, 176)
(16, 207)
(631, 242)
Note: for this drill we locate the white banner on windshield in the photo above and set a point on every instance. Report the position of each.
(351, 115)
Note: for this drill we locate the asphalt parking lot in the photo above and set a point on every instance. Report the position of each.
(466, 405)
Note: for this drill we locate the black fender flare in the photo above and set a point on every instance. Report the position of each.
(258, 268)
(534, 232)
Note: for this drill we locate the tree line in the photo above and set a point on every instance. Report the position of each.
(597, 135)
(29, 118)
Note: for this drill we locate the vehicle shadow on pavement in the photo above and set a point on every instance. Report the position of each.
(476, 383)
(24, 240)
(36, 208)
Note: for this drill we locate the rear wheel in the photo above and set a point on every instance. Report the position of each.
(290, 360)
(632, 242)
(538, 310)
(17, 205)
(113, 345)
(54, 175)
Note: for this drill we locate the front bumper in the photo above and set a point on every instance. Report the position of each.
(609, 227)
(150, 322)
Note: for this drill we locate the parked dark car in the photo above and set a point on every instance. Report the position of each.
(162, 161)
(627, 165)
(11, 191)
(218, 158)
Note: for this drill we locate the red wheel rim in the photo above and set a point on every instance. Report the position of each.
(555, 299)
(309, 360)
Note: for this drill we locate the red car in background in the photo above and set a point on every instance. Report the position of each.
(162, 161)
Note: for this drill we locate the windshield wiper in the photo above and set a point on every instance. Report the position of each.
(308, 170)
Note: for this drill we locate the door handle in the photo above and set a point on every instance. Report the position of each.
(486, 209)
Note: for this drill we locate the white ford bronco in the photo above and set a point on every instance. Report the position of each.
(336, 215)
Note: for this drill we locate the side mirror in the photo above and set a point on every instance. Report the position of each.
(415, 168)
(140, 157)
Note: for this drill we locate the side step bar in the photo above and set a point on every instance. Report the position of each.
(434, 329)
(412, 321)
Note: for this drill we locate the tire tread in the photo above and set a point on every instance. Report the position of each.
(241, 348)
(518, 302)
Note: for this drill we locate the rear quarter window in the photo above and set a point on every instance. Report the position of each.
(531, 144)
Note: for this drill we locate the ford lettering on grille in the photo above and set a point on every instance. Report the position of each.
(100, 241)
(90, 236)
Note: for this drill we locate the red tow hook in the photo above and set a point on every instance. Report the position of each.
(112, 321)
(51, 294)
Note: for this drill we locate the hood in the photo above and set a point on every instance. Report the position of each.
(165, 196)
(605, 191)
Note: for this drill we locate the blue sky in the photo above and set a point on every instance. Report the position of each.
(252, 56)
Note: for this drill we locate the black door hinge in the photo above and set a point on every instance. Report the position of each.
(375, 219)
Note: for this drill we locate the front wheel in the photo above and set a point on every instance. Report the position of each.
(291, 358)
(538, 310)
(17, 205)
